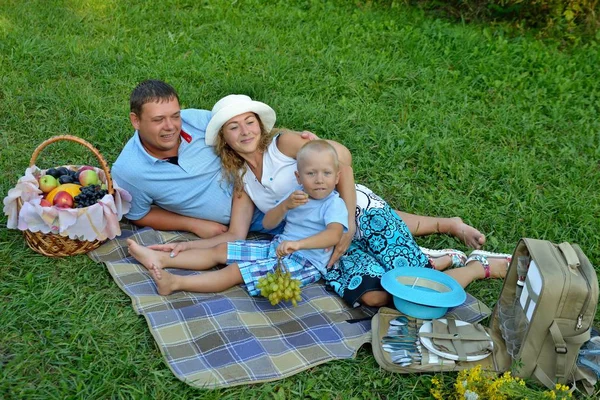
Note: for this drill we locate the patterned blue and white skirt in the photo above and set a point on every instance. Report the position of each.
(382, 242)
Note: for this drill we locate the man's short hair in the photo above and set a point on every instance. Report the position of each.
(150, 90)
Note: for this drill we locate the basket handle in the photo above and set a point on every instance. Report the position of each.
(82, 142)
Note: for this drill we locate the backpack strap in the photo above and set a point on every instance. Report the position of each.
(542, 377)
(560, 347)
(458, 345)
(570, 255)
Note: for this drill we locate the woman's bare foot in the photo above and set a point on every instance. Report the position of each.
(469, 235)
(147, 257)
(445, 258)
(497, 268)
(165, 281)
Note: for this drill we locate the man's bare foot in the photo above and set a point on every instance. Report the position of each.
(147, 257)
(469, 235)
(164, 280)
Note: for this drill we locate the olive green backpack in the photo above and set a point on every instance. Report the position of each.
(545, 313)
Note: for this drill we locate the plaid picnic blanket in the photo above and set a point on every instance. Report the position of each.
(231, 338)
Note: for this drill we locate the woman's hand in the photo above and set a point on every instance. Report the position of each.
(287, 247)
(308, 135)
(342, 246)
(174, 248)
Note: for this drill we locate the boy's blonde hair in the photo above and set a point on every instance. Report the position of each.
(314, 147)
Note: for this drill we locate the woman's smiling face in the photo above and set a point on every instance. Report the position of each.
(242, 133)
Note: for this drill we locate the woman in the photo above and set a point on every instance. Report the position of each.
(261, 167)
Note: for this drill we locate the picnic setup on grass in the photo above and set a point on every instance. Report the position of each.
(540, 328)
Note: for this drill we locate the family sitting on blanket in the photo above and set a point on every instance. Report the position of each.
(177, 182)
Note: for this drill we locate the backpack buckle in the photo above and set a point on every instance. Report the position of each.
(561, 349)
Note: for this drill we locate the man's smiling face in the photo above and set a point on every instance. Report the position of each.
(159, 127)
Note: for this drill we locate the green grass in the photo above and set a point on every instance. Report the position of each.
(442, 119)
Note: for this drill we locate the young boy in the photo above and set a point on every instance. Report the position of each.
(315, 219)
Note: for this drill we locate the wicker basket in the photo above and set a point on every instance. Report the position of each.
(54, 245)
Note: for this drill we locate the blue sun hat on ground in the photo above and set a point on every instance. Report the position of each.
(423, 292)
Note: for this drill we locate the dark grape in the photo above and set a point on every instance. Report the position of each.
(62, 171)
(53, 172)
(65, 179)
(89, 195)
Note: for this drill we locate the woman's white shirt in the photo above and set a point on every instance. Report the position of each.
(278, 179)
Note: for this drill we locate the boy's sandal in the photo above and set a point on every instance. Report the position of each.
(459, 259)
(482, 256)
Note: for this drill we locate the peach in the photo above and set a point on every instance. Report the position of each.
(63, 199)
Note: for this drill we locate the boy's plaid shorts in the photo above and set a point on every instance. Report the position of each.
(256, 258)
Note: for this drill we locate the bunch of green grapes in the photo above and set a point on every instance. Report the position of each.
(279, 285)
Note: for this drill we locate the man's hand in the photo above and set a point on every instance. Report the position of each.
(308, 135)
(296, 199)
(342, 246)
(173, 248)
(287, 247)
(163, 220)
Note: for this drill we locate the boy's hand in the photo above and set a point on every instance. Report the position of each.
(287, 247)
(296, 199)
(342, 246)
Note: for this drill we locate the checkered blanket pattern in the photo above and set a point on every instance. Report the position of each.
(231, 338)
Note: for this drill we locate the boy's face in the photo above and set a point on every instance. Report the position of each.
(318, 175)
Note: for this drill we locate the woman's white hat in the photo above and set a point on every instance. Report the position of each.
(236, 104)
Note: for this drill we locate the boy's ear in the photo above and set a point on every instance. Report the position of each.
(297, 177)
(337, 178)
(135, 121)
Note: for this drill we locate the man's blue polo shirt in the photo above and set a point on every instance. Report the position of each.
(194, 188)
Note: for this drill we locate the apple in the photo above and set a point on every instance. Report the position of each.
(85, 167)
(47, 183)
(45, 203)
(89, 177)
(63, 199)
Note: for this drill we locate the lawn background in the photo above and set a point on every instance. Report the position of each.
(442, 119)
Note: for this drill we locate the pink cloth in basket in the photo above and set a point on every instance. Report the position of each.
(97, 222)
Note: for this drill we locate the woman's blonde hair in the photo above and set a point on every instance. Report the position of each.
(233, 165)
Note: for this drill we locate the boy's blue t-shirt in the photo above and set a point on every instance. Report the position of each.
(312, 218)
